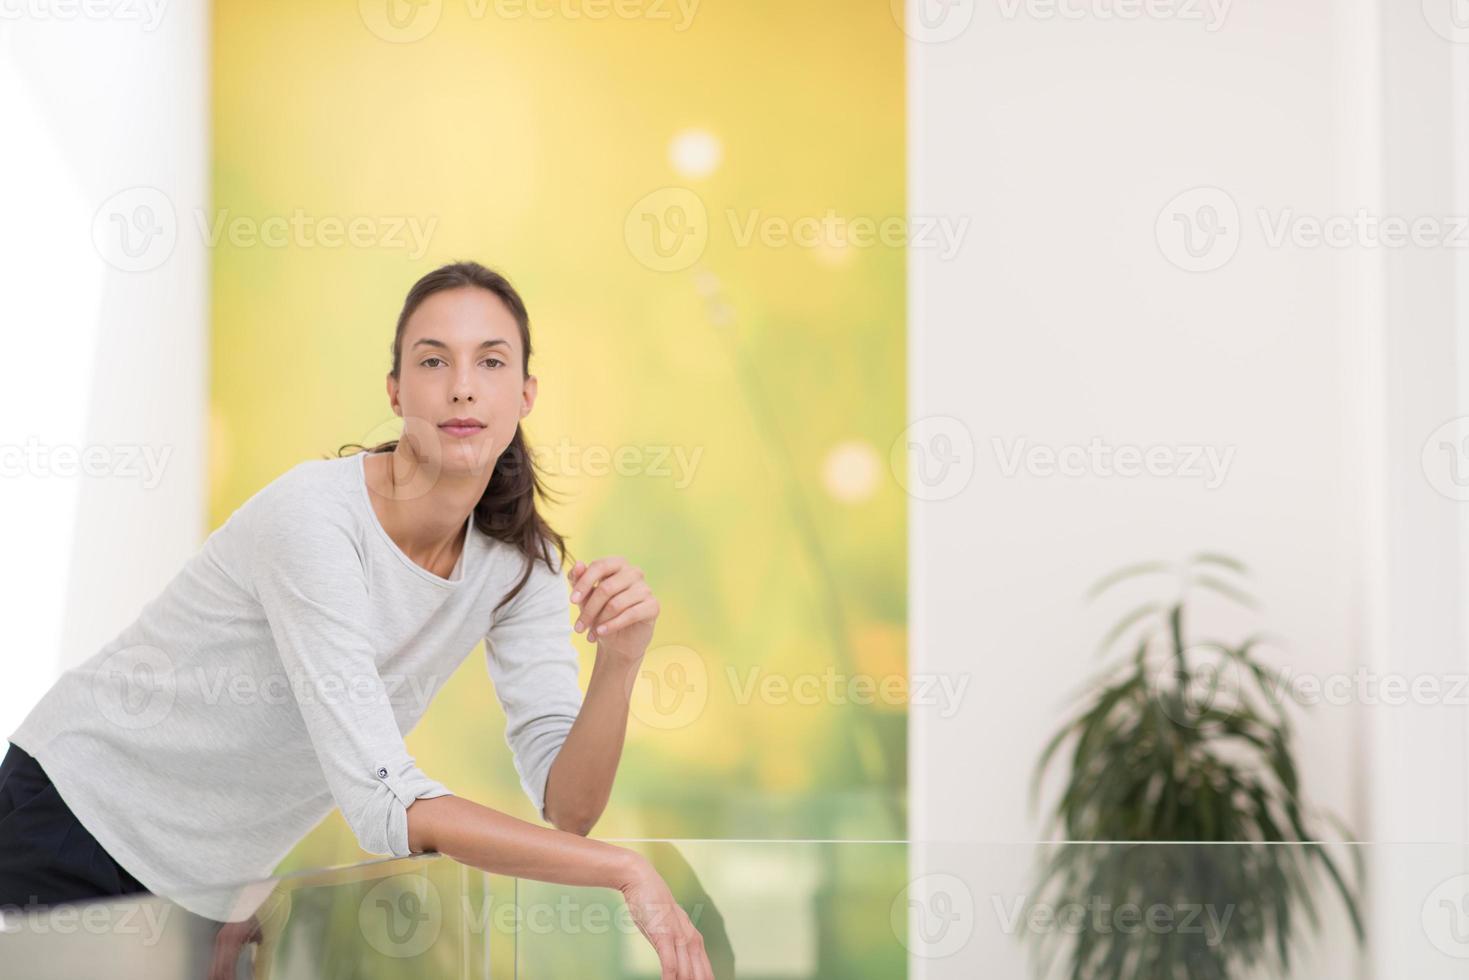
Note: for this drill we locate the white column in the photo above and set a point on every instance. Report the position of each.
(103, 414)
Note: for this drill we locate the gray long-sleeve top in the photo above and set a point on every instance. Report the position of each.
(276, 675)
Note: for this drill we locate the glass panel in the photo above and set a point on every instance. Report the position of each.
(784, 910)
(1143, 911)
(411, 917)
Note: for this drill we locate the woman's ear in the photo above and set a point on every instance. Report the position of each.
(392, 386)
(528, 395)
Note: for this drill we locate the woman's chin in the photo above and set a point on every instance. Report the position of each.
(468, 456)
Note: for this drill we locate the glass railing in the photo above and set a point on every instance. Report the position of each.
(810, 909)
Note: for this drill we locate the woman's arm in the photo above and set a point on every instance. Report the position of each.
(580, 781)
(619, 611)
(499, 843)
(493, 841)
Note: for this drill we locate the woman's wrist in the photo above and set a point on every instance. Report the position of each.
(628, 868)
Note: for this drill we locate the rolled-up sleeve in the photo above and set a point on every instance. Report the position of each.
(534, 669)
(310, 581)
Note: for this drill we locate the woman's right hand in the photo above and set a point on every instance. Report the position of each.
(666, 925)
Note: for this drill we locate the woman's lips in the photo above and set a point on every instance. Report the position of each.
(462, 430)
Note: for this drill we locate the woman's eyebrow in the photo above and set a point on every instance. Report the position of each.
(430, 342)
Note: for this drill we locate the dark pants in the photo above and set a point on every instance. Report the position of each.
(46, 855)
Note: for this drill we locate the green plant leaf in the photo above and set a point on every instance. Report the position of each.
(1123, 574)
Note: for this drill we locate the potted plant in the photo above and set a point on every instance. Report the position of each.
(1182, 739)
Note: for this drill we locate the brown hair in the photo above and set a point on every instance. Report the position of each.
(507, 511)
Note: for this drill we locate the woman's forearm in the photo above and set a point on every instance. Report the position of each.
(483, 838)
(580, 781)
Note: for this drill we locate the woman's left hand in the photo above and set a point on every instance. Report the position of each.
(617, 607)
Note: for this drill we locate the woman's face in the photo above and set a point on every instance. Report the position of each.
(461, 358)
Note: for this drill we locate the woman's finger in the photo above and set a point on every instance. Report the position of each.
(685, 962)
(619, 603)
(699, 968)
(667, 957)
(592, 572)
(644, 610)
(594, 600)
(574, 573)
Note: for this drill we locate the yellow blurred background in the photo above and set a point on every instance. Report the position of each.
(650, 181)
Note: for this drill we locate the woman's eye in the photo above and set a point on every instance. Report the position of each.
(427, 359)
(494, 360)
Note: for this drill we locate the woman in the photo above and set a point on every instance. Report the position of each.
(277, 673)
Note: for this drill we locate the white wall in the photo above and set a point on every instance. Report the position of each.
(1064, 318)
(106, 352)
